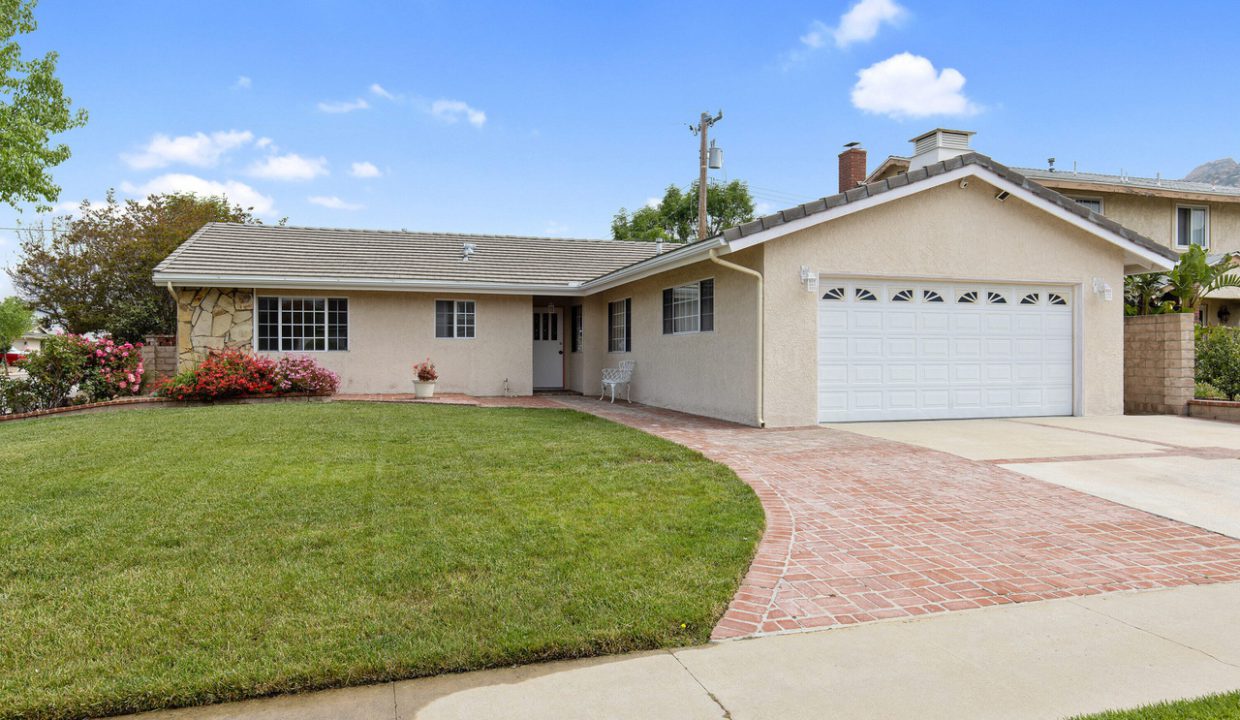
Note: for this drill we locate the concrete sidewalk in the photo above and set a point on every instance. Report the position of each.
(1038, 660)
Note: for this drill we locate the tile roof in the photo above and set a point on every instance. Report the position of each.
(1132, 182)
(235, 250)
(861, 192)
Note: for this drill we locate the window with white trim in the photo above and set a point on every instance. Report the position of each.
(303, 324)
(689, 308)
(1093, 203)
(1192, 226)
(454, 319)
(620, 326)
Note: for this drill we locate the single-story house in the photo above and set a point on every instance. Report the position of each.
(957, 289)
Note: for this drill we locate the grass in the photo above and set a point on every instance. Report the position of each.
(1212, 707)
(158, 558)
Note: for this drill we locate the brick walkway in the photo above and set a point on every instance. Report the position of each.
(860, 529)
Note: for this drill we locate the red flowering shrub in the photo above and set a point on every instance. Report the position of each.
(233, 373)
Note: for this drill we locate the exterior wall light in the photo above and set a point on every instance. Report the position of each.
(1102, 289)
(809, 279)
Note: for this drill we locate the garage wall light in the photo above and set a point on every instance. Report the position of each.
(809, 279)
(1103, 289)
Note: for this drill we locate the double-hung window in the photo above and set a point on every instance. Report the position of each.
(620, 326)
(689, 308)
(575, 326)
(454, 318)
(1192, 226)
(303, 324)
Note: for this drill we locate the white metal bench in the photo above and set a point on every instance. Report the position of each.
(622, 375)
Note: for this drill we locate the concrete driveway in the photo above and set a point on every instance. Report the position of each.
(1181, 468)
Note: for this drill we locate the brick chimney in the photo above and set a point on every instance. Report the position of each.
(852, 166)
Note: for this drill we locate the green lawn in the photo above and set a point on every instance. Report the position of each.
(1212, 707)
(158, 557)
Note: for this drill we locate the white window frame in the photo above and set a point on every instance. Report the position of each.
(457, 314)
(1088, 198)
(1175, 226)
(697, 286)
(624, 333)
(256, 325)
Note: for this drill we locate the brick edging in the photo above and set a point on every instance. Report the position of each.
(1215, 403)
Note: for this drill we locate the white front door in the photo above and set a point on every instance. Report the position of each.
(893, 349)
(548, 348)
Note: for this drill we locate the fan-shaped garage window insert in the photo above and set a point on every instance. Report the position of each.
(864, 295)
(931, 296)
(836, 293)
(995, 298)
(967, 298)
(903, 296)
(1056, 299)
(1031, 299)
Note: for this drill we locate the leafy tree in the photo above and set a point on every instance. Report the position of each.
(1143, 294)
(1194, 277)
(92, 272)
(16, 319)
(33, 107)
(676, 215)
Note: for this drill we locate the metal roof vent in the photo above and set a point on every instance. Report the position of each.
(467, 251)
(937, 145)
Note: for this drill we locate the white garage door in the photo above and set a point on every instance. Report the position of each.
(908, 350)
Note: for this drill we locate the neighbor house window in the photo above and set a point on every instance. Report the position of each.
(303, 324)
(575, 323)
(1093, 203)
(620, 326)
(689, 308)
(454, 318)
(1192, 226)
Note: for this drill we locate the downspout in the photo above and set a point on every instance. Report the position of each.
(714, 257)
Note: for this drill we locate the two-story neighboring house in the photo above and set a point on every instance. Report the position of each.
(1177, 213)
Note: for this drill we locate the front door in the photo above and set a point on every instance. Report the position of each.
(548, 348)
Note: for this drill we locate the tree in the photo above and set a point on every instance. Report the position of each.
(675, 216)
(16, 319)
(92, 272)
(1143, 294)
(1194, 277)
(33, 107)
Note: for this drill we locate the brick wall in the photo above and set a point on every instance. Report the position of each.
(159, 355)
(1159, 354)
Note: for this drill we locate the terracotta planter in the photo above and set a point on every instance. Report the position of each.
(423, 389)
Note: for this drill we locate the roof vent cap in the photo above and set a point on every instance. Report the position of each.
(467, 250)
(938, 145)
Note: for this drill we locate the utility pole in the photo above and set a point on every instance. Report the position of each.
(701, 129)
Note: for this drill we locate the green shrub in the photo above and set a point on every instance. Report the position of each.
(1206, 391)
(59, 365)
(1218, 359)
(16, 395)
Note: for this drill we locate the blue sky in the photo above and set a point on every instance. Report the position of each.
(543, 119)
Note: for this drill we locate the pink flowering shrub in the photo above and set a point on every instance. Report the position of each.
(113, 370)
(96, 369)
(234, 373)
(301, 374)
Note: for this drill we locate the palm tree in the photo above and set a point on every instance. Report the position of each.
(1140, 292)
(1194, 277)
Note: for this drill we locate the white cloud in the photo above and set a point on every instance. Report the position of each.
(762, 207)
(237, 192)
(653, 202)
(333, 202)
(863, 20)
(555, 228)
(381, 91)
(364, 170)
(199, 149)
(451, 111)
(288, 167)
(264, 143)
(908, 86)
(343, 106)
(243, 83)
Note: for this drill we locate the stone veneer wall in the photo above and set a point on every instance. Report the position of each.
(212, 319)
(1160, 353)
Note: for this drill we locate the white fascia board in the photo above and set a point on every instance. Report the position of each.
(655, 265)
(967, 171)
(382, 285)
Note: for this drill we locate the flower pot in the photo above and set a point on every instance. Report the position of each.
(423, 389)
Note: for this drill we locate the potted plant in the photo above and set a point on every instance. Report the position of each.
(424, 379)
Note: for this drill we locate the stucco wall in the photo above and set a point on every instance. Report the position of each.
(388, 332)
(1155, 218)
(707, 373)
(945, 233)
